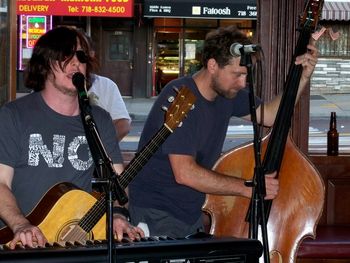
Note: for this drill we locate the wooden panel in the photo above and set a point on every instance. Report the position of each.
(335, 171)
(338, 199)
(277, 33)
(320, 260)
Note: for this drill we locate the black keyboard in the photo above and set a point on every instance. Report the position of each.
(147, 250)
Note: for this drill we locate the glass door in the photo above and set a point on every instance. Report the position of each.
(167, 58)
(193, 45)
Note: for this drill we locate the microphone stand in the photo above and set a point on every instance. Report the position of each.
(257, 212)
(105, 170)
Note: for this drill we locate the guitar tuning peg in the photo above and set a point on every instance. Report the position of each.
(171, 99)
(180, 124)
(164, 108)
(176, 89)
(192, 107)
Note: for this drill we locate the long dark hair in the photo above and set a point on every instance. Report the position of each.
(58, 44)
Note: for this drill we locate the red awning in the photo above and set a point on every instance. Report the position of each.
(336, 11)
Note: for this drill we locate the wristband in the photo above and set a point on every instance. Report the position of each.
(122, 211)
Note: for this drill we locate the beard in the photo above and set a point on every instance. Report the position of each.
(65, 90)
(217, 87)
(61, 88)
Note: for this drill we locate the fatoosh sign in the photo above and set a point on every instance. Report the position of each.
(219, 9)
(116, 8)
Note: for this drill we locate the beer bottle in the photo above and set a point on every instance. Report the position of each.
(332, 136)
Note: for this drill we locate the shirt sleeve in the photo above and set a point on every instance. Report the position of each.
(9, 138)
(105, 93)
(115, 103)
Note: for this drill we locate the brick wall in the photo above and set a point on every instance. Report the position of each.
(331, 75)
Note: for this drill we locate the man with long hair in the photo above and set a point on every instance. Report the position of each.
(42, 137)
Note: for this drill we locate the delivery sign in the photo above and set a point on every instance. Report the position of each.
(116, 8)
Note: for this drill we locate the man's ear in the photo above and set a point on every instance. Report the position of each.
(212, 65)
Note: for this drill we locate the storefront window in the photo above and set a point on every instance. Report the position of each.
(167, 64)
(202, 22)
(179, 43)
(330, 89)
(193, 46)
(31, 28)
(335, 40)
(119, 44)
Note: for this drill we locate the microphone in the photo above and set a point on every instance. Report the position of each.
(235, 49)
(79, 82)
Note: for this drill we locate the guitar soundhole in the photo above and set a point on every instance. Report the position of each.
(70, 231)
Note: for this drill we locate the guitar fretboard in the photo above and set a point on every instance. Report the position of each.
(91, 218)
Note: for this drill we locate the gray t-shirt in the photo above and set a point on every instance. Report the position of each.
(201, 135)
(46, 148)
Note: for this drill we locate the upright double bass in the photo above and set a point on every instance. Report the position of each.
(294, 214)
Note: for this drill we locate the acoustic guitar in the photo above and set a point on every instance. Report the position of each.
(66, 213)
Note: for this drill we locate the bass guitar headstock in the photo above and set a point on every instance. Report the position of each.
(311, 15)
(179, 107)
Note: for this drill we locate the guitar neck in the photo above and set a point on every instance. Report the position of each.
(91, 218)
(179, 107)
(142, 157)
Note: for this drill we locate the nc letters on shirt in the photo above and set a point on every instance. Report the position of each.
(55, 158)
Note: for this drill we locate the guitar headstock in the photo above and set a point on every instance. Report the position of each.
(179, 107)
(311, 15)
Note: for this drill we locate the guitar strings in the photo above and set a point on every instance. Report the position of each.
(144, 155)
(98, 209)
(94, 214)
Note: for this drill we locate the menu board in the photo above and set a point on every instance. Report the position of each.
(217, 9)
